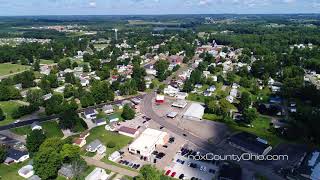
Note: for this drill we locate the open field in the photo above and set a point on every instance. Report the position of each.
(44, 61)
(8, 69)
(51, 129)
(8, 108)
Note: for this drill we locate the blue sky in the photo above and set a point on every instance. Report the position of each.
(115, 7)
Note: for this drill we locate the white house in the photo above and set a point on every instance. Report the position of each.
(90, 113)
(35, 126)
(114, 156)
(26, 171)
(94, 146)
(107, 109)
(97, 174)
(171, 91)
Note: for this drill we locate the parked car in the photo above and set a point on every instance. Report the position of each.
(173, 174)
(168, 172)
(181, 176)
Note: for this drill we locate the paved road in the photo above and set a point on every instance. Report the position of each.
(146, 107)
(53, 117)
(113, 168)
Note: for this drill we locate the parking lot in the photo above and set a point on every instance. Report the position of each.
(183, 167)
(215, 132)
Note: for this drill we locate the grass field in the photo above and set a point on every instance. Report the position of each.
(8, 107)
(11, 171)
(7, 68)
(51, 129)
(44, 61)
(106, 137)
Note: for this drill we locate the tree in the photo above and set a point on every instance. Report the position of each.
(69, 153)
(70, 78)
(148, 172)
(250, 114)
(101, 92)
(46, 163)
(2, 116)
(36, 65)
(245, 101)
(34, 140)
(162, 67)
(87, 99)
(128, 113)
(104, 73)
(34, 97)
(3, 153)
(53, 80)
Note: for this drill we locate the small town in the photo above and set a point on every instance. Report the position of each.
(160, 97)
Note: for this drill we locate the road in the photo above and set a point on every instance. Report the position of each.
(113, 168)
(146, 108)
(53, 117)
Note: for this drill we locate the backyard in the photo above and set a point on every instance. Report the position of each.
(8, 108)
(7, 68)
(51, 129)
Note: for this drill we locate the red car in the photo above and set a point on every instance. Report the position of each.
(173, 174)
(168, 172)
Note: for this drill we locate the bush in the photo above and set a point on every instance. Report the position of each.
(111, 144)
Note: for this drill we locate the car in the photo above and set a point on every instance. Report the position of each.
(144, 122)
(121, 161)
(17, 121)
(2, 137)
(181, 176)
(180, 161)
(184, 135)
(138, 165)
(130, 164)
(168, 172)
(203, 168)
(155, 152)
(165, 146)
(212, 171)
(173, 174)
(171, 140)
(161, 127)
(138, 127)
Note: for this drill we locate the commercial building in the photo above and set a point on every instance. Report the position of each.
(179, 104)
(147, 142)
(194, 112)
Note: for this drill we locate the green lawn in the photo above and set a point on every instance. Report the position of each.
(51, 129)
(260, 128)
(8, 68)
(11, 171)
(44, 61)
(8, 107)
(106, 136)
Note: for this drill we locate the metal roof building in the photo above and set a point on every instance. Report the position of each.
(194, 112)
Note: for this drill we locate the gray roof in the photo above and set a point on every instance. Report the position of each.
(16, 154)
(66, 171)
(89, 111)
(94, 144)
(107, 107)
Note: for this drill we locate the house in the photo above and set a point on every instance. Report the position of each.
(171, 91)
(94, 146)
(179, 104)
(100, 122)
(309, 168)
(36, 126)
(90, 113)
(230, 99)
(47, 96)
(175, 59)
(211, 88)
(66, 171)
(130, 132)
(45, 70)
(16, 156)
(18, 86)
(234, 93)
(108, 109)
(98, 174)
(207, 93)
(84, 82)
(194, 112)
(81, 141)
(250, 143)
(181, 95)
(26, 171)
(113, 118)
(159, 99)
(114, 156)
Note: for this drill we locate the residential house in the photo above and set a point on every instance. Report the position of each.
(100, 122)
(113, 118)
(175, 59)
(81, 141)
(98, 174)
(94, 146)
(90, 113)
(127, 131)
(36, 126)
(66, 171)
(171, 91)
(159, 99)
(114, 156)
(108, 109)
(16, 156)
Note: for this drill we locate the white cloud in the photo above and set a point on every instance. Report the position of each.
(92, 4)
(204, 2)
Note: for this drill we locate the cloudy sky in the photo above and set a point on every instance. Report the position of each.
(115, 7)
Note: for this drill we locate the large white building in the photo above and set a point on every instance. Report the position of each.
(147, 142)
(194, 112)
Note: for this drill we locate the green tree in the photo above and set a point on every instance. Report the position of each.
(3, 153)
(148, 172)
(34, 97)
(34, 140)
(245, 101)
(46, 163)
(162, 67)
(36, 65)
(250, 114)
(69, 153)
(2, 116)
(128, 113)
